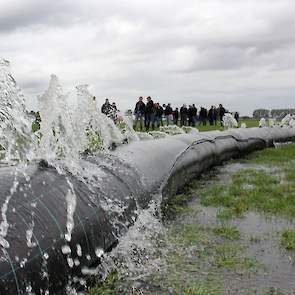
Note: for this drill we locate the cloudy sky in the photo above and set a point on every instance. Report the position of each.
(239, 52)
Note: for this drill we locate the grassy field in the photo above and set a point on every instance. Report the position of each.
(249, 122)
(229, 232)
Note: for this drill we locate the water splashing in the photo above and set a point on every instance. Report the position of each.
(15, 128)
(229, 121)
(262, 123)
(95, 129)
(57, 129)
(172, 130)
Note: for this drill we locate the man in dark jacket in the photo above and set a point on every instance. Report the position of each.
(139, 112)
(168, 113)
(106, 107)
(221, 111)
(158, 115)
(211, 115)
(194, 113)
(149, 113)
(215, 114)
(203, 116)
(183, 115)
(175, 116)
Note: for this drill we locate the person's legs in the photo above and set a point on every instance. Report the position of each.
(141, 122)
(147, 121)
(167, 120)
(135, 122)
(152, 121)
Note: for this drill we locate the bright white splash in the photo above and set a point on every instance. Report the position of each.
(126, 125)
(144, 136)
(288, 121)
(4, 225)
(190, 130)
(71, 207)
(172, 130)
(15, 128)
(95, 130)
(57, 129)
(271, 122)
(158, 134)
(136, 254)
(229, 121)
(243, 125)
(262, 123)
(29, 235)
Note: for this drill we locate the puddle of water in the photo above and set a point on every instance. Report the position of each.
(181, 265)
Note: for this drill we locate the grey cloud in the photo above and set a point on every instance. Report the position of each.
(194, 50)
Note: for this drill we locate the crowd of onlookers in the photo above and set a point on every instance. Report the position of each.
(153, 115)
(150, 115)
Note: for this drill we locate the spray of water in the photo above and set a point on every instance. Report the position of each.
(262, 123)
(16, 140)
(172, 130)
(57, 128)
(229, 121)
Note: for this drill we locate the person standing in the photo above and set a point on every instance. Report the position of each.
(211, 115)
(194, 113)
(168, 113)
(106, 107)
(190, 115)
(183, 115)
(175, 116)
(149, 113)
(139, 112)
(215, 114)
(221, 111)
(158, 115)
(203, 116)
(237, 116)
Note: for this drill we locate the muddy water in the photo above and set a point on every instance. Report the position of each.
(172, 266)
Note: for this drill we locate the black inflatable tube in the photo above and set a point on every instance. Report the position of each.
(121, 183)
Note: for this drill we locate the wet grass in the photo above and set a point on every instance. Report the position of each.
(202, 258)
(176, 206)
(229, 232)
(207, 250)
(106, 287)
(288, 239)
(249, 122)
(203, 288)
(254, 190)
(271, 156)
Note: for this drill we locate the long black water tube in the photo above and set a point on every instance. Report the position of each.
(38, 257)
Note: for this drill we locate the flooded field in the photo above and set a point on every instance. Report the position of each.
(229, 232)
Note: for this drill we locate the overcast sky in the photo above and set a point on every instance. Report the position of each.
(238, 52)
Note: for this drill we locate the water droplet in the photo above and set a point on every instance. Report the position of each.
(66, 249)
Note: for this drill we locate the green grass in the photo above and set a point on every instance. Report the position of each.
(251, 190)
(249, 122)
(271, 156)
(106, 287)
(228, 232)
(228, 256)
(208, 249)
(288, 239)
(176, 205)
(203, 288)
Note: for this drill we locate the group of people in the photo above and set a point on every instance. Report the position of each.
(150, 115)
(109, 109)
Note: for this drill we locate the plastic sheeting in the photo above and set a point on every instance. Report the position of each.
(37, 256)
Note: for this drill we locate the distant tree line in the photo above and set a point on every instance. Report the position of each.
(274, 113)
